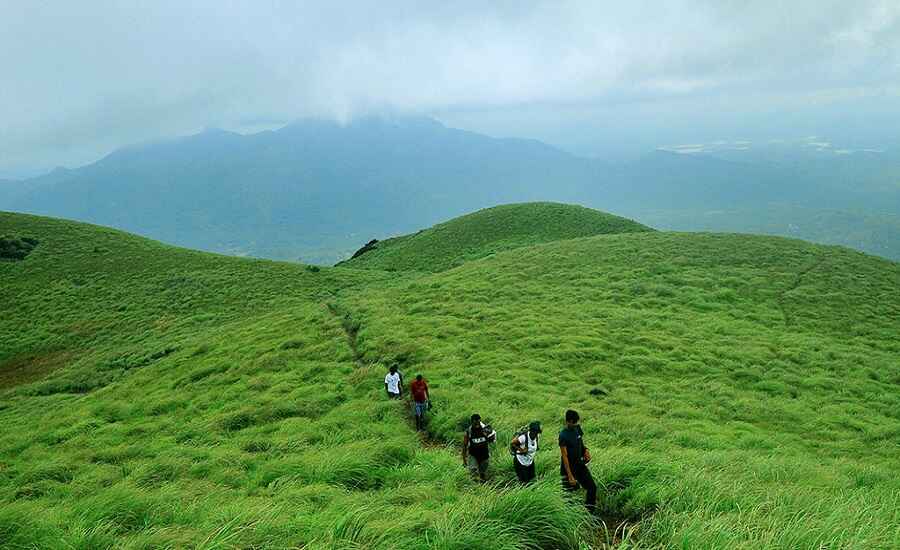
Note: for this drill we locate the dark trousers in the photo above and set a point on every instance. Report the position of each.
(525, 473)
(583, 477)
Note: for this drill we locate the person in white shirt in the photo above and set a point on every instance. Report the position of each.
(524, 447)
(393, 383)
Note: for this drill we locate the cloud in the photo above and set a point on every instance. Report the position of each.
(812, 142)
(86, 76)
(688, 149)
(712, 147)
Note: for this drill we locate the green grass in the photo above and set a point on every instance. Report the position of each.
(487, 232)
(736, 392)
(157, 397)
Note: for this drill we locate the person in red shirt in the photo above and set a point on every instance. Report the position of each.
(419, 390)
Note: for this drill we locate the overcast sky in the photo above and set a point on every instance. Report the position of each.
(78, 79)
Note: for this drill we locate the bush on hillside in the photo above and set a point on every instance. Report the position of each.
(368, 247)
(16, 248)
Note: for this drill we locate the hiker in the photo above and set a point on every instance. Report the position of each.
(574, 457)
(524, 446)
(419, 391)
(475, 452)
(393, 383)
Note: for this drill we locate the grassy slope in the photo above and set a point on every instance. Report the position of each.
(744, 394)
(489, 231)
(738, 391)
(86, 289)
(212, 402)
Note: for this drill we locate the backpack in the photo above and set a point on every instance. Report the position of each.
(485, 435)
(522, 431)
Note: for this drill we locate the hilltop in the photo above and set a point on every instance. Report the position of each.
(737, 391)
(487, 232)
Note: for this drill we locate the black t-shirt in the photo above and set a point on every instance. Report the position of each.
(571, 439)
(479, 437)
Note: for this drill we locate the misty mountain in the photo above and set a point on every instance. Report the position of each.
(12, 190)
(312, 184)
(315, 190)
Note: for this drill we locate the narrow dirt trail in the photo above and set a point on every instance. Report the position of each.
(798, 280)
(351, 330)
(610, 531)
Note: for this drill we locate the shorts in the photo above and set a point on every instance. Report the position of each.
(478, 468)
(420, 408)
(394, 395)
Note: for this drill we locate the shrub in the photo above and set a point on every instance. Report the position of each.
(238, 421)
(16, 248)
(53, 472)
(157, 474)
(256, 446)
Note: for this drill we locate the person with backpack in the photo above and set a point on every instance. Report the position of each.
(393, 383)
(419, 391)
(475, 451)
(523, 448)
(574, 458)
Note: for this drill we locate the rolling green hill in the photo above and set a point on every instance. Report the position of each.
(487, 232)
(736, 391)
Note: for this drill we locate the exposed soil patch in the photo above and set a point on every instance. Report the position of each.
(26, 368)
(614, 528)
(351, 329)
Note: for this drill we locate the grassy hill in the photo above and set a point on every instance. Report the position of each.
(736, 391)
(157, 397)
(487, 232)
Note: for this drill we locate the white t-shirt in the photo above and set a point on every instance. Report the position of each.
(527, 458)
(393, 382)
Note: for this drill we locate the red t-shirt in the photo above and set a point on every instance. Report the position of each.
(419, 389)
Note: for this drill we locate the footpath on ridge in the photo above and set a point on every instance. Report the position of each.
(611, 530)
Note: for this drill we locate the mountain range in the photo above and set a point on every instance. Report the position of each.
(317, 190)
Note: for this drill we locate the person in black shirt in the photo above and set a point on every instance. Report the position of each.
(475, 451)
(574, 458)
